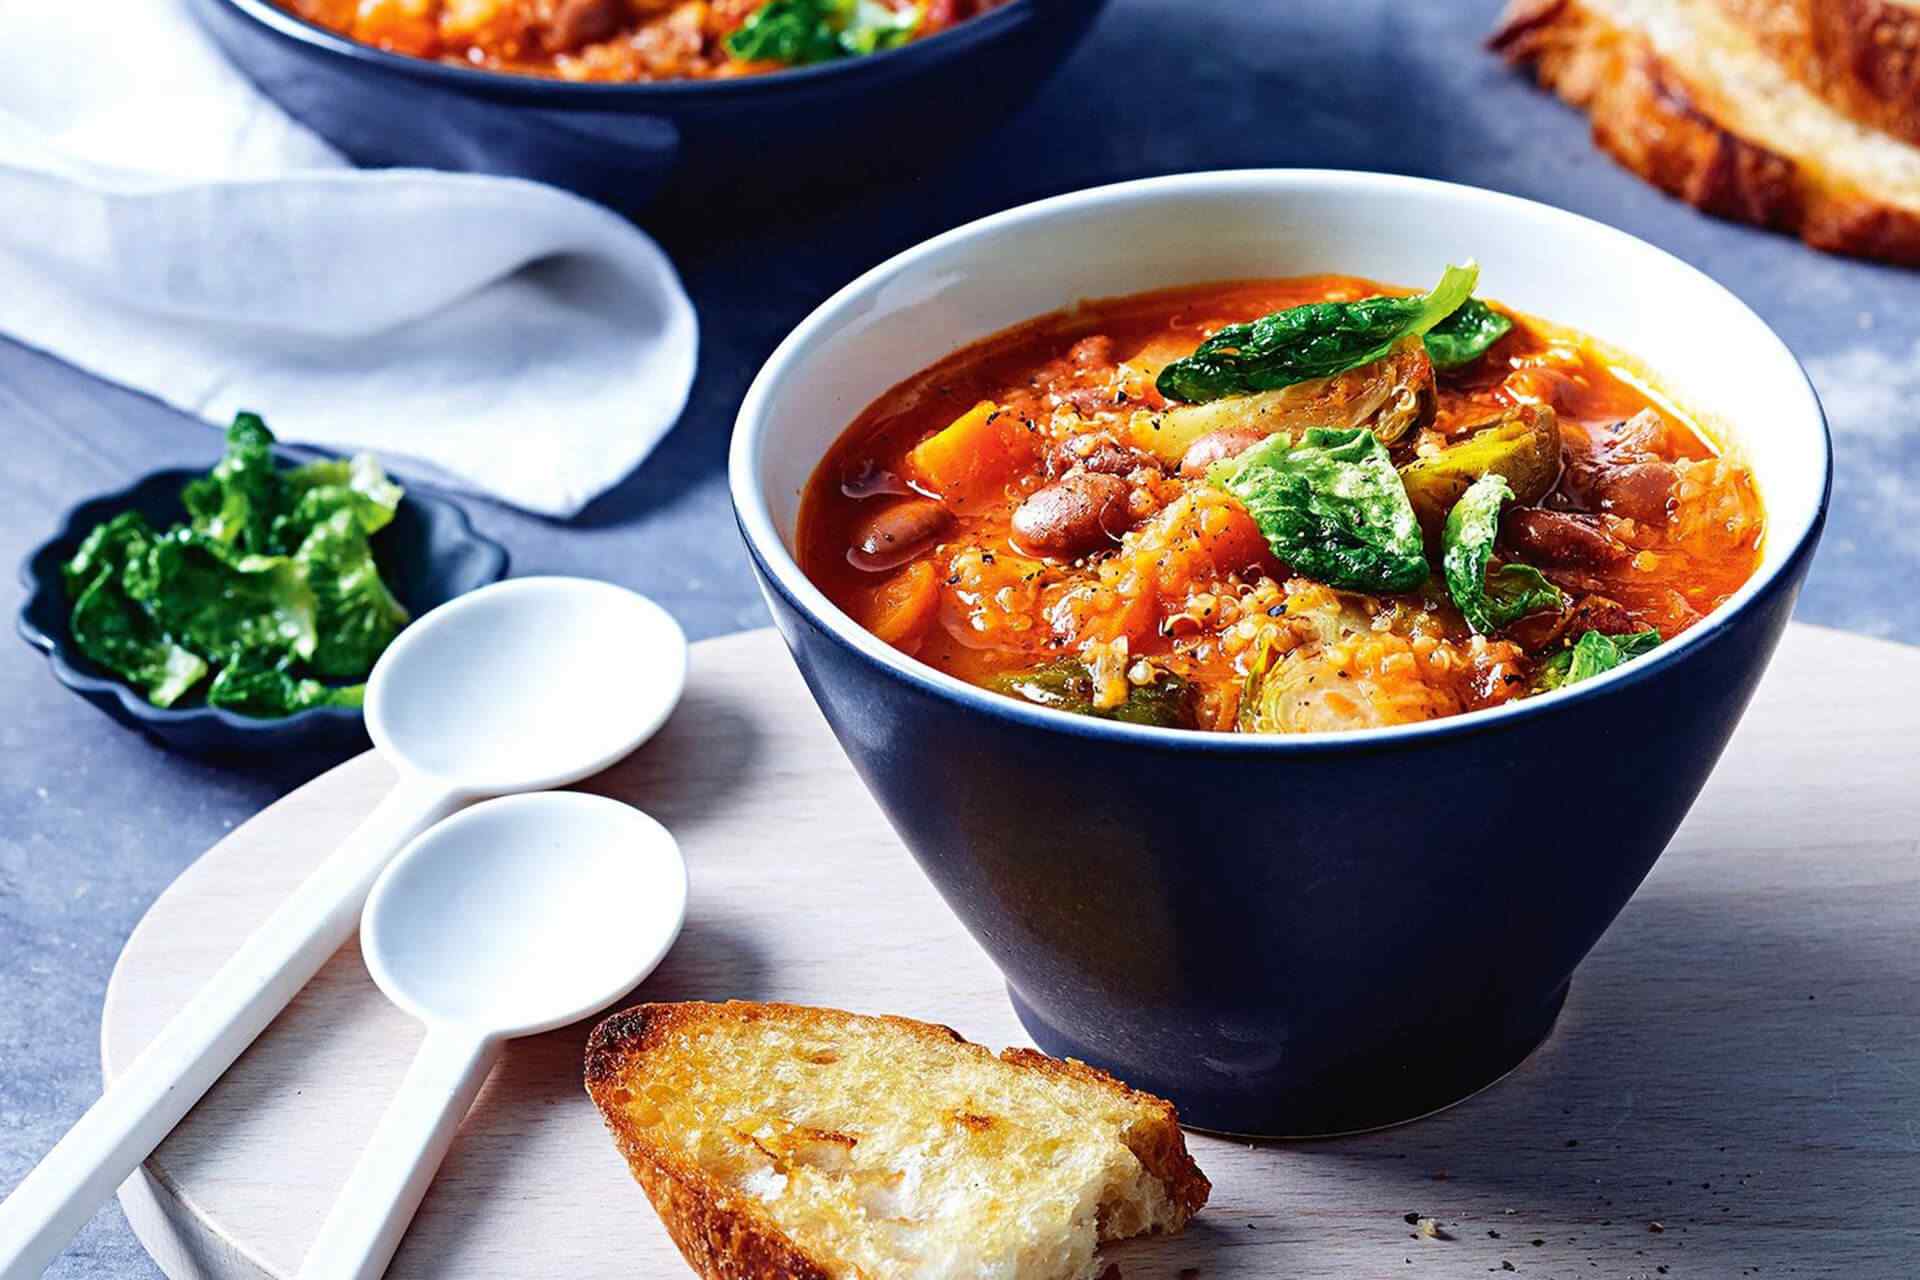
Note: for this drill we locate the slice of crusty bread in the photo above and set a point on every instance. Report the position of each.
(1683, 95)
(1861, 56)
(783, 1141)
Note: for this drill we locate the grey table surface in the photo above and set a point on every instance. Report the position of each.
(95, 821)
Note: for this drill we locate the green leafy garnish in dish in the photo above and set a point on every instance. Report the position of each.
(111, 628)
(1594, 653)
(1489, 601)
(235, 504)
(1466, 335)
(312, 493)
(1332, 507)
(357, 617)
(107, 548)
(802, 32)
(219, 604)
(254, 684)
(1317, 340)
(270, 586)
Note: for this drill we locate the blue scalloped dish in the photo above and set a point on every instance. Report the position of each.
(428, 555)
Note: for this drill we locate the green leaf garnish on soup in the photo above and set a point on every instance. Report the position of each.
(1593, 654)
(802, 32)
(873, 27)
(1466, 335)
(270, 586)
(1332, 507)
(1489, 601)
(1067, 685)
(1317, 340)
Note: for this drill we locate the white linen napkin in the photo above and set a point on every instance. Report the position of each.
(164, 225)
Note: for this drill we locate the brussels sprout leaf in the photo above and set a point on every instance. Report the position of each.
(1332, 507)
(1488, 601)
(802, 32)
(1594, 653)
(1067, 685)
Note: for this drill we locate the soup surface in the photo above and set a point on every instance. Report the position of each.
(1330, 519)
(636, 40)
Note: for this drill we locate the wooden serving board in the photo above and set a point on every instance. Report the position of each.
(1735, 1082)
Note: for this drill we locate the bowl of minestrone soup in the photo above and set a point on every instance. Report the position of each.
(725, 109)
(1286, 614)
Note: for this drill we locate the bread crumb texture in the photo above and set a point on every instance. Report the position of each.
(780, 1140)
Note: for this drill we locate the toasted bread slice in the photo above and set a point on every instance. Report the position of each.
(1682, 95)
(783, 1141)
(1861, 56)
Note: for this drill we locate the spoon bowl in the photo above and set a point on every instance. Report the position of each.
(527, 684)
(517, 916)
(526, 913)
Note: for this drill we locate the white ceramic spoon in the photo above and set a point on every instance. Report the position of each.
(524, 685)
(518, 916)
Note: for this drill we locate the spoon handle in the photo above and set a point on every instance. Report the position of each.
(201, 1041)
(372, 1211)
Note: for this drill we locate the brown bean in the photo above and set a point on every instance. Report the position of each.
(1096, 350)
(1597, 613)
(1230, 442)
(1069, 517)
(1558, 538)
(583, 22)
(1089, 402)
(1640, 491)
(1537, 632)
(896, 533)
(1095, 451)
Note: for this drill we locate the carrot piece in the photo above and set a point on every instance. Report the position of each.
(399, 26)
(904, 605)
(1140, 615)
(1125, 606)
(1233, 542)
(973, 457)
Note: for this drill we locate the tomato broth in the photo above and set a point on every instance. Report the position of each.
(1037, 514)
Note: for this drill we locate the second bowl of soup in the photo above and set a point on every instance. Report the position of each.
(1239, 636)
(723, 110)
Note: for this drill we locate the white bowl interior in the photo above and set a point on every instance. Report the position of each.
(1708, 351)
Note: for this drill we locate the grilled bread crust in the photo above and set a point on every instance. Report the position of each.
(1861, 56)
(727, 1235)
(1704, 125)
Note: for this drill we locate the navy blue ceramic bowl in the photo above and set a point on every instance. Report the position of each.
(747, 139)
(1286, 935)
(429, 554)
